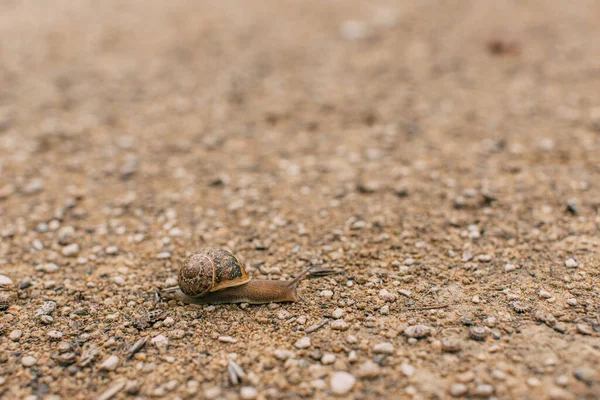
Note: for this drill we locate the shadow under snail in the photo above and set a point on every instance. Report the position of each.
(215, 276)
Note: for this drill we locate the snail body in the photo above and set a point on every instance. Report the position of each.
(215, 276)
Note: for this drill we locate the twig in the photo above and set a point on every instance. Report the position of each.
(435, 307)
(113, 390)
(317, 326)
(136, 347)
(318, 272)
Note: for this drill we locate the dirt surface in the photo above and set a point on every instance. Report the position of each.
(439, 154)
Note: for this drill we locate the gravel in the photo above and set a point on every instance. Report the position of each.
(449, 183)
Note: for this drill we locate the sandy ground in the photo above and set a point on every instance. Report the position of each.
(439, 154)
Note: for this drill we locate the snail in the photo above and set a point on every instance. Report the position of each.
(215, 276)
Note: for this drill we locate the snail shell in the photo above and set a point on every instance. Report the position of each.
(210, 270)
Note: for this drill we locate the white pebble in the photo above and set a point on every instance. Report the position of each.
(328, 358)
(458, 390)
(337, 313)
(387, 296)
(5, 282)
(163, 255)
(417, 331)
(342, 382)
(407, 369)
(383, 348)
(533, 382)
(50, 268)
(483, 390)
(509, 267)
(227, 339)
(571, 263)
(352, 356)
(327, 294)
(248, 393)
(110, 364)
(54, 335)
(302, 343)
(119, 280)
(15, 335)
(283, 355)
(111, 250)
(160, 341)
(70, 250)
(28, 361)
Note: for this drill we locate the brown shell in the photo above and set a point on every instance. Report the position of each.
(209, 270)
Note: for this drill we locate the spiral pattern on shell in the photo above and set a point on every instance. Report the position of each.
(209, 270)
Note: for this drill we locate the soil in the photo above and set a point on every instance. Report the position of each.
(442, 156)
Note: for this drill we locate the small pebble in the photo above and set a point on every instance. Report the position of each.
(451, 345)
(339, 325)
(283, 355)
(586, 375)
(248, 393)
(111, 250)
(483, 390)
(387, 296)
(227, 339)
(15, 335)
(584, 329)
(54, 335)
(50, 268)
(352, 356)
(466, 377)
(342, 382)
(509, 267)
(383, 348)
(407, 369)
(327, 294)
(572, 302)
(368, 369)
(418, 331)
(557, 393)
(571, 263)
(302, 343)
(458, 390)
(70, 250)
(212, 392)
(110, 364)
(160, 341)
(328, 358)
(132, 387)
(337, 313)
(562, 380)
(533, 382)
(28, 361)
